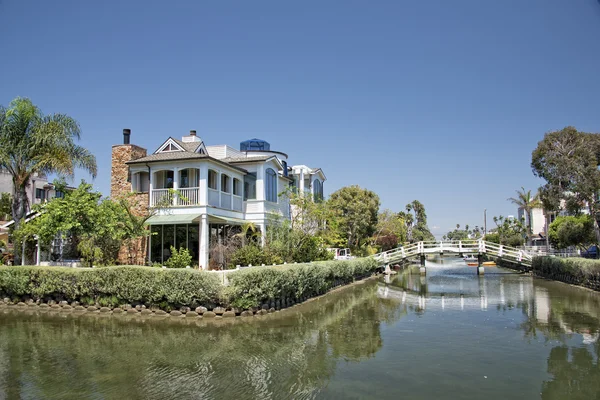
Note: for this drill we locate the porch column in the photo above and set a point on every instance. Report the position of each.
(301, 183)
(175, 184)
(38, 249)
(203, 256)
(150, 187)
(219, 188)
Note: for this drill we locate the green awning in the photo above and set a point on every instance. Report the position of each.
(227, 220)
(173, 219)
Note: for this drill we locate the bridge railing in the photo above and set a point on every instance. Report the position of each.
(456, 246)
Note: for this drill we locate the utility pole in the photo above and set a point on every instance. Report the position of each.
(484, 222)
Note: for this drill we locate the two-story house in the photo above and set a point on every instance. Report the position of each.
(196, 191)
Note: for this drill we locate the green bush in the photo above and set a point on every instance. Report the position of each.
(179, 258)
(579, 271)
(173, 288)
(112, 285)
(255, 286)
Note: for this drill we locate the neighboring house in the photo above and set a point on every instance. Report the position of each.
(219, 187)
(37, 191)
(541, 219)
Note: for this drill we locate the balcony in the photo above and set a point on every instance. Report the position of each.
(165, 198)
(191, 197)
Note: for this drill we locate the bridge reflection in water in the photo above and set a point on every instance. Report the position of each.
(450, 284)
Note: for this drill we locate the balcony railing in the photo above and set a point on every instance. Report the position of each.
(161, 198)
(188, 196)
(191, 197)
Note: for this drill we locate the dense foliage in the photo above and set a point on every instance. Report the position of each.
(567, 231)
(172, 288)
(94, 227)
(33, 143)
(568, 161)
(508, 231)
(579, 271)
(255, 286)
(112, 286)
(415, 219)
(179, 258)
(354, 215)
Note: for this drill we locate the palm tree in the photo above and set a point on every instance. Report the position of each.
(527, 202)
(34, 143)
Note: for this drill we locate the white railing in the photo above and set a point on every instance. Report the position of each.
(188, 196)
(161, 198)
(455, 246)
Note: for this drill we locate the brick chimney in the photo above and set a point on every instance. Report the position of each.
(120, 180)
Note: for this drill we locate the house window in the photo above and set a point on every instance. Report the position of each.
(184, 181)
(60, 194)
(170, 147)
(250, 186)
(236, 187)
(168, 180)
(40, 194)
(317, 190)
(212, 179)
(271, 185)
(225, 183)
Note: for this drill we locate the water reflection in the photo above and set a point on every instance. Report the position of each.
(496, 336)
(565, 317)
(294, 354)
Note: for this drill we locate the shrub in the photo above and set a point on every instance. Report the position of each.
(179, 258)
(580, 271)
(255, 286)
(112, 285)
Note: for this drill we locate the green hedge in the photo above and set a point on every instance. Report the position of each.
(112, 285)
(173, 288)
(578, 271)
(256, 286)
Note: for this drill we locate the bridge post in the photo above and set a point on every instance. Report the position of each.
(480, 269)
(422, 269)
(500, 251)
(460, 246)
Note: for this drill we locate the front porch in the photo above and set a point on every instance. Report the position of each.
(203, 235)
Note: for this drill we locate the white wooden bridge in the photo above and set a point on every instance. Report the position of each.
(462, 247)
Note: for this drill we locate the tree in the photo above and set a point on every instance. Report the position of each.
(391, 230)
(95, 227)
(31, 142)
(417, 225)
(355, 212)
(568, 161)
(509, 231)
(567, 231)
(527, 202)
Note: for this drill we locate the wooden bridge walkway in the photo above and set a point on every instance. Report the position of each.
(462, 247)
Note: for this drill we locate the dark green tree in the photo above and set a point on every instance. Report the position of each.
(568, 161)
(355, 212)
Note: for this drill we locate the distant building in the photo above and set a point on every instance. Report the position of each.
(217, 188)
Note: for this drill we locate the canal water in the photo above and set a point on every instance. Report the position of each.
(450, 335)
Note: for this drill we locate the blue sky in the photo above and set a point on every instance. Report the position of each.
(440, 101)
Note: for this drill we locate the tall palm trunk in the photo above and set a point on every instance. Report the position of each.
(20, 204)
